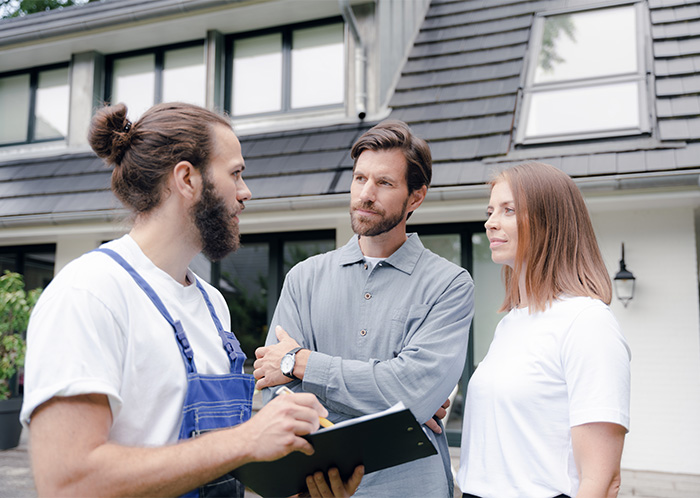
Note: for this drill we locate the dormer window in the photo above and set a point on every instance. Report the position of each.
(586, 76)
(288, 69)
(34, 105)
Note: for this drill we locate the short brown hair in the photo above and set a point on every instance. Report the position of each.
(144, 153)
(557, 247)
(392, 134)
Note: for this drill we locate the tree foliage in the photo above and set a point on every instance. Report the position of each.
(20, 8)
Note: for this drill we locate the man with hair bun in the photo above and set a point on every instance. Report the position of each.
(380, 320)
(134, 384)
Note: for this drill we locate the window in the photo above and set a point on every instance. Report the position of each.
(148, 77)
(34, 105)
(251, 279)
(286, 70)
(35, 263)
(587, 76)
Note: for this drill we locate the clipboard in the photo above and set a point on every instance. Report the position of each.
(377, 441)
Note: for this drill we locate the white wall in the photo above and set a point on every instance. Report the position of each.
(661, 326)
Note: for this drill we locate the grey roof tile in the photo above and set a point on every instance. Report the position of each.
(86, 201)
(492, 88)
(662, 159)
(451, 150)
(460, 75)
(458, 128)
(689, 156)
(631, 162)
(455, 110)
(676, 30)
(464, 16)
(677, 48)
(679, 85)
(676, 129)
(481, 57)
(664, 108)
(684, 13)
(474, 172)
(575, 165)
(474, 29)
(446, 174)
(601, 164)
(22, 206)
(10, 172)
(459, 46)
(292, 185)
(343, 183)
(679, 66)
(291, 163)
(63, 184)
(327, 141)
(686, 106)
(493, 145)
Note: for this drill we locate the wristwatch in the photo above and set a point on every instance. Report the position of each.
(288, 362)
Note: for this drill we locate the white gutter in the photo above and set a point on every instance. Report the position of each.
(360, 60)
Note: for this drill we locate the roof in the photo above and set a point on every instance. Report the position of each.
(459, 90)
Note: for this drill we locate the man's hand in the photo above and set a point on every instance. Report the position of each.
(267, 366)
(440, 414)
(319, 487)
(277, 428)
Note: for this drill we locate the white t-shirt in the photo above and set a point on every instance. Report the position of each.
(95, 331)
(544, 373)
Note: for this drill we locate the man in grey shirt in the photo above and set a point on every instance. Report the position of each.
(380, 320)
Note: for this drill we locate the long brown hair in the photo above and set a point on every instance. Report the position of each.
(557, 247)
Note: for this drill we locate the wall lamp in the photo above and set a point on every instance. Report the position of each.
(624, 281)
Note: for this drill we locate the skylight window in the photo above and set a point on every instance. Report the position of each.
(587, 79)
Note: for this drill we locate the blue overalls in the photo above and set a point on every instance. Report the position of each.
(212, 401)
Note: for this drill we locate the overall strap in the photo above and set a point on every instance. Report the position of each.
(231, 344)
(183, 343)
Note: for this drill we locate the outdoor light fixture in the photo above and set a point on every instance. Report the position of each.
(624, 281)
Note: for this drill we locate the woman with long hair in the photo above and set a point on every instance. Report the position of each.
(547, 409)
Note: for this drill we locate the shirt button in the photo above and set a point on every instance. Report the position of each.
(363, 332)
(366, 266)
(368, 296)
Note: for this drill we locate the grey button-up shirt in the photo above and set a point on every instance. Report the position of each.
(397, 332)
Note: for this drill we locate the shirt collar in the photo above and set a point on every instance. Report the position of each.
(405, 258)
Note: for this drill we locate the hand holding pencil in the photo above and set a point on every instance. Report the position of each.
(285, 390)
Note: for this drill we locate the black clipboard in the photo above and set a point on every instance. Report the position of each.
(377, 441)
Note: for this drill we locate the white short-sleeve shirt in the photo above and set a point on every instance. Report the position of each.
(543, 374)
(95, 331)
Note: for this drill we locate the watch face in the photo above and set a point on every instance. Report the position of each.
(287, 364)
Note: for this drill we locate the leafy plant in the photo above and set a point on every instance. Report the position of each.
(16, 305)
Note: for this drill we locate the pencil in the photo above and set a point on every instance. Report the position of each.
(285, 390)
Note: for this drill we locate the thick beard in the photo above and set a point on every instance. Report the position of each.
(369, 229)
(219, 235)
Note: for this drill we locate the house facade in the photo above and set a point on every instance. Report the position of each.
(608, 91)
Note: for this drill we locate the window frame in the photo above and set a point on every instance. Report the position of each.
(33, 86)
(158, 66)
(286, 32)
(641, 77)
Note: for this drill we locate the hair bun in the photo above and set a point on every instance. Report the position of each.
(110, 133)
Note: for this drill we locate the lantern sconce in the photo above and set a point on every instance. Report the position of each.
(624, 281)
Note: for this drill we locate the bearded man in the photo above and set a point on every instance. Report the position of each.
(380, 320)
(134, 382)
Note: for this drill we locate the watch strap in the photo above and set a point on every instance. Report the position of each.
(292, 353)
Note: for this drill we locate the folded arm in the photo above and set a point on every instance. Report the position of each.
(421, 375)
